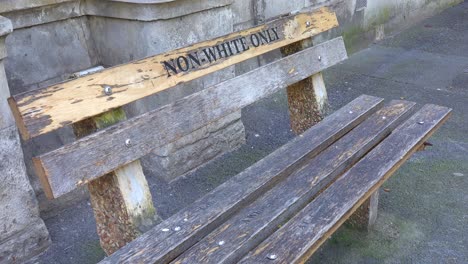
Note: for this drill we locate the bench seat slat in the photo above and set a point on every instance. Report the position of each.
(44, 110)
(211, 210)
(254, 223)
(302, 235)
(106, 150)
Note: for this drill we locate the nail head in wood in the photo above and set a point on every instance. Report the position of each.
(220, 243)
(272, 257)
(177, 228)
(421, 122)
(308, 24)
(320, 58)
(128, 142)
(107, 90)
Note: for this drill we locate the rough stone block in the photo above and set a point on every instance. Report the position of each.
(120, 41)
(52, 12)
(5, 26)
(196, 149)
(25, 244)
(281, 7)
(144, 10)
(23, 233)
(243, 10)
(6, 118)
(46, 51)
(13, 5)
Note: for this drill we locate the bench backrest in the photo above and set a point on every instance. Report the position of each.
(106, 154)
(44, 110)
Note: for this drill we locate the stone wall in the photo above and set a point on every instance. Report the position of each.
(23, 233)
(52, 39)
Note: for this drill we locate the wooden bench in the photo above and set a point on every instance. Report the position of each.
(279, 210)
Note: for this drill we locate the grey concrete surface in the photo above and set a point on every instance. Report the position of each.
(423, 214)
(23, 233)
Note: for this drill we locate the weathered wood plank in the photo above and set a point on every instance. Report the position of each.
(307, 99)
(245, 230)
(159, 127)
(302, 235)
(121, 200)
(44, 110)
(211, 210)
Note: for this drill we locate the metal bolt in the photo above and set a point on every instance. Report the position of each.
(177, 228)
(421, 122)
(221, 242)
(320, 58)
(272, 257)
(308, 23)
(107, 90)
(128, 142)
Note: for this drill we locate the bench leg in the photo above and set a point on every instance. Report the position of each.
(307, 99)
(366, 215)
(121, 200)
(122, 206)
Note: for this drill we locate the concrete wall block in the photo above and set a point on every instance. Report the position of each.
(149, 11)
(23, 233)
(18, 200)
(196, 149)
(119, 41)
(25, 244)
(43, 14)
(44, 52)
(6, 28)
(15, 5)
(312, 4)
(243, 10)
(6, 118)
(276, 8)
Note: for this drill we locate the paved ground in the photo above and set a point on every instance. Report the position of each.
(424, 216)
